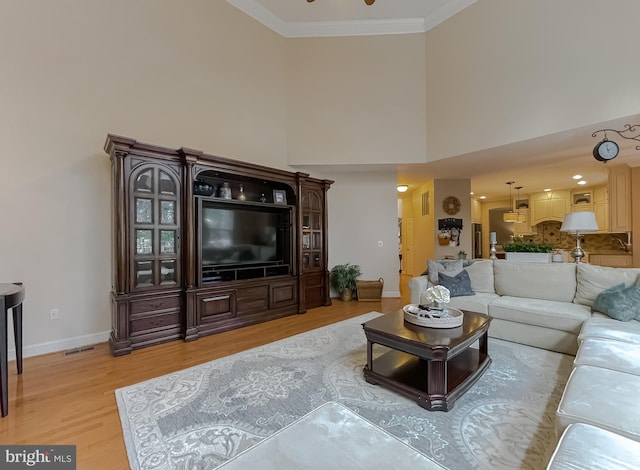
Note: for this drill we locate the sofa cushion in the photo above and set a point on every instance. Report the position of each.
(458, 285)
(618, 302)
(583, 446)
(545, 281)
(564, 316)
(601, 397)
(609, 328)
(481, 275)
(474, 303)
(448, 267)
(609, 354)
(594, 279)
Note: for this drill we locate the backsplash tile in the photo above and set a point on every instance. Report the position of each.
(549, 232)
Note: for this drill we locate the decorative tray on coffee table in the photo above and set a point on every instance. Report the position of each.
(430, 317)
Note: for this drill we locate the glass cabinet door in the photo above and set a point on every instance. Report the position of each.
(155, 216)
(312, 259)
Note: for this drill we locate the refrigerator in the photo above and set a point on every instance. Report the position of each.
(477, 240)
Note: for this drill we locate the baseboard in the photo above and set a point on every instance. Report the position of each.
(386, 295)
(60, 345)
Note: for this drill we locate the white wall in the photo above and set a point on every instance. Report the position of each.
(363, 211)
(459, 189)
(502, 71)
(195, 73)
(356, 100)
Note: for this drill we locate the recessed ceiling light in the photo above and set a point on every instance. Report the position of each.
(546, 190)
(402, 188)
(482, 197)
(577, 177)
(471, 193)
(582, 182)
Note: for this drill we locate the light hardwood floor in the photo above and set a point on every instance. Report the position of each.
(70, 399)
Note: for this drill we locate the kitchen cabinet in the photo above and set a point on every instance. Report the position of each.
(601, 206)
(548, 206)
(521, 206)
(620, 199)
(594, 200)
(613, 261)
(582, 200)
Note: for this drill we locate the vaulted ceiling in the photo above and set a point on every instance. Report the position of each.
(549, 161)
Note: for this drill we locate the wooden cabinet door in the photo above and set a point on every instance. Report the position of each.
(154, 214)
(613, 261)
(539, 210)
(558, 207)
(313, 247)
(620, 199)
(549, 206)
(602, 216)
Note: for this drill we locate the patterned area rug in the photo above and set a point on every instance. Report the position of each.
(202, 416)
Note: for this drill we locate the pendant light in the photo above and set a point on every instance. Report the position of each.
(510, 216)
(521, 217)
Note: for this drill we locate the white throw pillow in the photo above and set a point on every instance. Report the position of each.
(481, 275)
(594, 279)
(448, 267)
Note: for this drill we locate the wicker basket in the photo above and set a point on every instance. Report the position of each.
(369, 291)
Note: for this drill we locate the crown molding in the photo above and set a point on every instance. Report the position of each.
(301, 29)
(310, 29)
(445, 12)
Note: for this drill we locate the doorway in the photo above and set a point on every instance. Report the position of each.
(504, 230)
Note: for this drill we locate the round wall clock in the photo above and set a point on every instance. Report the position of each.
(606, 150)
(451, 205)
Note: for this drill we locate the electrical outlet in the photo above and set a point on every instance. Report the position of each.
(380, 243)
(54, 314)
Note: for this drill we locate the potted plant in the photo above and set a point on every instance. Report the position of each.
(521, 250)
(343, 279)
(462, 254)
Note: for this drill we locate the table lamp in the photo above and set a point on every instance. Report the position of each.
(577, 223)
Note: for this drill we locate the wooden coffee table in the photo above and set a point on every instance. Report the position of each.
(433, 366)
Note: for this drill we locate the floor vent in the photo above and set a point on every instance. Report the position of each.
(78, 350)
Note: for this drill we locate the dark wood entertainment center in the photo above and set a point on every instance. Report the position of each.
(187, 264)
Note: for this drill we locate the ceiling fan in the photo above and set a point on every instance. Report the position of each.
(368, 2)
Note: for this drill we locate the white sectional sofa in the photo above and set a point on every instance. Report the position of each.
(549, 305)
(598, 417)
(538, 304)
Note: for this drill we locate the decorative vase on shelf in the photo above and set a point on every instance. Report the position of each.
(241, 195)
(225, 191)
(202, 188)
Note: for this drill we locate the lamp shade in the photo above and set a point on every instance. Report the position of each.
(579, 222)
(514, 217)
(509, 217)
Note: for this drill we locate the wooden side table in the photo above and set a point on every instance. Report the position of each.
(11, 297)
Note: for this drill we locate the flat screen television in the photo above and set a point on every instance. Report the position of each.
(234, 236)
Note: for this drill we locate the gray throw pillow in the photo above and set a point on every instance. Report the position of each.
(618, 302)
(448, 267)
(458, 285)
